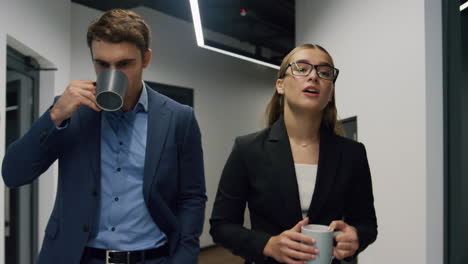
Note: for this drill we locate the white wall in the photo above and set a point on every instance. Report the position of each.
(39, 28)
(229, 94)
(399, 104)
(390, 57)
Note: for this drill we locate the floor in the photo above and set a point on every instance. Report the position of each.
(218, 255)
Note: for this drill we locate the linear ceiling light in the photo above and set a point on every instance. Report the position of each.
(465, 5)
(201, 42)
(197, 22)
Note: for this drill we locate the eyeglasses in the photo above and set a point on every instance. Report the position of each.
(325, 72)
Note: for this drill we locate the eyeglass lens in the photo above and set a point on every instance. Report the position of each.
(323, 71)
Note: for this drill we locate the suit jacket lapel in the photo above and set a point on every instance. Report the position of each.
(158, 124)
(329, 156)
(90, 123)
(284, 174)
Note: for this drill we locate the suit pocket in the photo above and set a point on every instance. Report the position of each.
(51, 230)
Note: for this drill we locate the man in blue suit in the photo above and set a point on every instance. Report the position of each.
(131, 184)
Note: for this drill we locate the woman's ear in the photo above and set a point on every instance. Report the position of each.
(280, 86)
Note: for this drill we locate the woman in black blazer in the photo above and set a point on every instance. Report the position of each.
(298, 170)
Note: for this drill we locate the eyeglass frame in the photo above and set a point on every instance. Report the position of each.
(314, 67)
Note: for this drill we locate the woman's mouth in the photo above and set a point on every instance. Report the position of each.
(311, 91)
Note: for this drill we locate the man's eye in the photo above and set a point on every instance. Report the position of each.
(122, 64)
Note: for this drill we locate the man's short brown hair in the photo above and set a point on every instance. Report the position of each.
(120, 25)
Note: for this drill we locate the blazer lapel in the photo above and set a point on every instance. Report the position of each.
(90, 122)
(329, 156)
(159, 118)
(284, 174)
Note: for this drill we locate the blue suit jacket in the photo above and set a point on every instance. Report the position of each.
(173, 186)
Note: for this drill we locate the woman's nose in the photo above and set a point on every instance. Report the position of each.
(313, 75)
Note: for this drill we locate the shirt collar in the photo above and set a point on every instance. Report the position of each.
(143, 100)
(141, 105)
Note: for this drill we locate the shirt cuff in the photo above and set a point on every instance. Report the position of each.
(63, 125)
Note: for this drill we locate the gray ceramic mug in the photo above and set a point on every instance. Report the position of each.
(323, 241)
(111, 88)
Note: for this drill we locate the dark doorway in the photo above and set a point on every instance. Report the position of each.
(455, 132)
(179, 94)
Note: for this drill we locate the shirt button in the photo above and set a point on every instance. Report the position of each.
(116, 199)
(94, 193)
(119, 169)
(85, 228)
(113, 229)
(120, 143)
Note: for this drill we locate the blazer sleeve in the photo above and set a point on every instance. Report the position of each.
(360, 211)
(191, 198)
(228, 211)
(31, 155)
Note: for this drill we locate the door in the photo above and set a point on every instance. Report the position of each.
(20, 203)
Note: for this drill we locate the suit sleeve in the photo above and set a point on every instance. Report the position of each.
(192, 197)
(228, 211)
(31, 155)
(360, 211)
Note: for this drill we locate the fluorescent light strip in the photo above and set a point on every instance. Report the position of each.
(241, 57)
(201, 42)
(197, 22)
(465, 5)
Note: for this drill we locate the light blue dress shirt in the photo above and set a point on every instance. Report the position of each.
(124, 220)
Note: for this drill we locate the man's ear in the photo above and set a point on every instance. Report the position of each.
(280, 86)
(147, 58)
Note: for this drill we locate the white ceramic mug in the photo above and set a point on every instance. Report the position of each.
(323, 241)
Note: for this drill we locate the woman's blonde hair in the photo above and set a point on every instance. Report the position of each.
(275, 107)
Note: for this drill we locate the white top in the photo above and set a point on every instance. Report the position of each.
(305, 175)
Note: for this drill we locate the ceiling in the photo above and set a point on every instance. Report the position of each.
(264, 26)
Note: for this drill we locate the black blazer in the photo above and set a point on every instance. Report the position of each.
(260, 172)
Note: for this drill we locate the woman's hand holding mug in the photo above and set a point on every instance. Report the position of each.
(291, 246)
